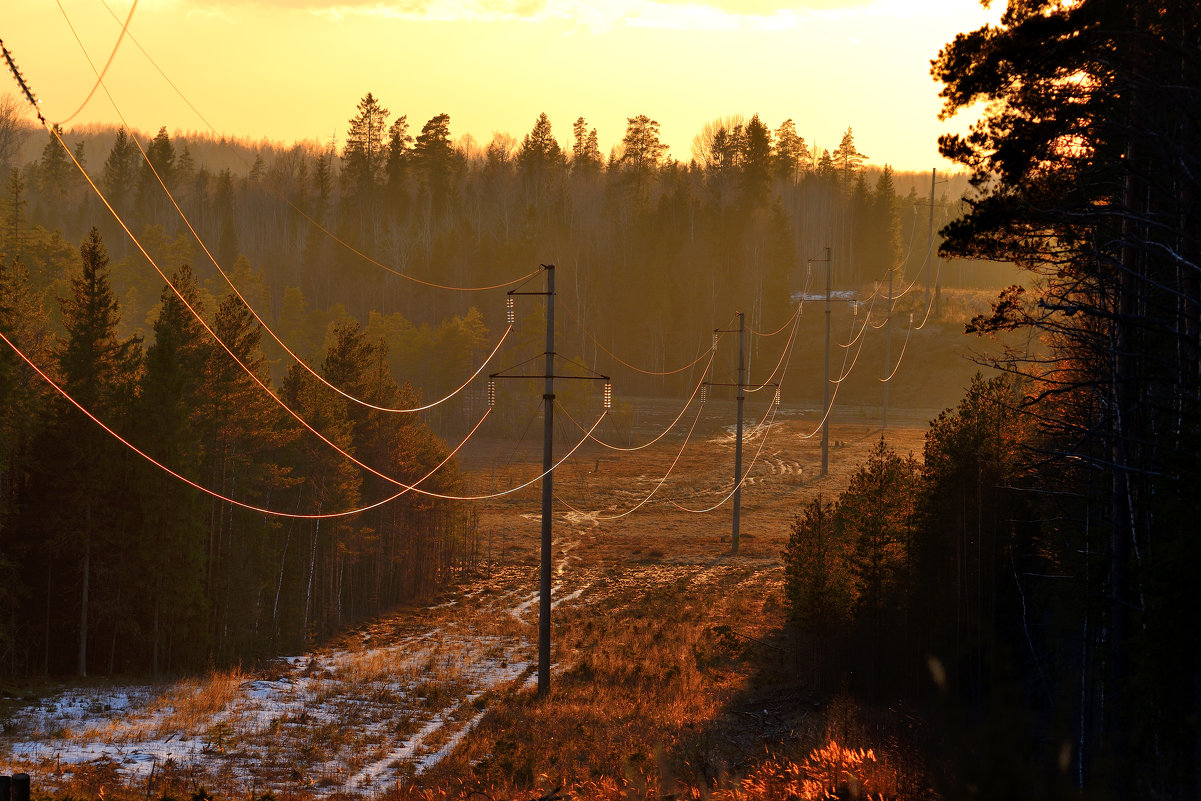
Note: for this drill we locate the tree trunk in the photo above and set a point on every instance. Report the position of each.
(83, 602)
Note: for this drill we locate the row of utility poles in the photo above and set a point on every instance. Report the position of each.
(548, 400)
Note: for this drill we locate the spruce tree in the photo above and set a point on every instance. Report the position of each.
(99, 370)
(172, 388)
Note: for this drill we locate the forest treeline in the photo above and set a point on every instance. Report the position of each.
(1036, 572)
(110, 564)
(654, 252)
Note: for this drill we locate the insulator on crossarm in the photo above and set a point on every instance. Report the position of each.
(704, 393)
(491, 393)
(510, 314)
(776, 401)
(715, 343)
(608, 395)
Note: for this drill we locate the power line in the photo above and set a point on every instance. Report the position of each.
(251, 507)
(624, 363)
(20, 79)
(254, 377)
(296, 208)
(787, 322)
(768, 418)
(672, 425)
(785, 353)
(107, 64)
(291, 412)
(900, 358)
(658, 486)
(266, 327)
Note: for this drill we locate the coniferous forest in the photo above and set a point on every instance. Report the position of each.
(1024, 582)
(1034, 571)
(112, 565)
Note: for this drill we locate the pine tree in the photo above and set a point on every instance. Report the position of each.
(437, 162)
(244, 435)
(818, 585)
(99, 370)
(365, 154)
(120, 170)
(172, 388)
(396, 167)
(158, 165)
(876, 517)
(54, 172)
(641, 149)
(847, 160)
(1085, 171)
(585, 153)
(884, 236)
(756, 162)
(791, 153)
(540, 159)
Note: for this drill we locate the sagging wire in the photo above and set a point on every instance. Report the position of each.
(908, 253)
(263, 323)
(254, 377)
(856, 337)
(796, 321)
(768, 420)
(765, 425)
(251, 507)
(300, 211)
(846, 373)
(662, 434)
(107, 64)
(908, 331)
(930, 303)
(536, 478)
(787, 322)
(658, 486)
(624, 363)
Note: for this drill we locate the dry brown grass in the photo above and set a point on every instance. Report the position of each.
(672, 674)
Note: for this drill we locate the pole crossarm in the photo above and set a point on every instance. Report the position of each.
(736, 384)
(597, 377)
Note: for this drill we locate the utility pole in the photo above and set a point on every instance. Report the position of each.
(930, 236)
(887, 351)
(548, 477)
(826, 384)
(738, 432)
(548, 434)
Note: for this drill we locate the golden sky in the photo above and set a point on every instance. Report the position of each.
(295, 69)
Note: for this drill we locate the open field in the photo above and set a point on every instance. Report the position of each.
(671, 668)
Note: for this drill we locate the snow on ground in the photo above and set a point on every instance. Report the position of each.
(352, 719)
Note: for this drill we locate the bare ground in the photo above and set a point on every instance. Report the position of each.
(672, 670)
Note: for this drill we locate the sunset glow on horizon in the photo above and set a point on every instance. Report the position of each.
(292, 70)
